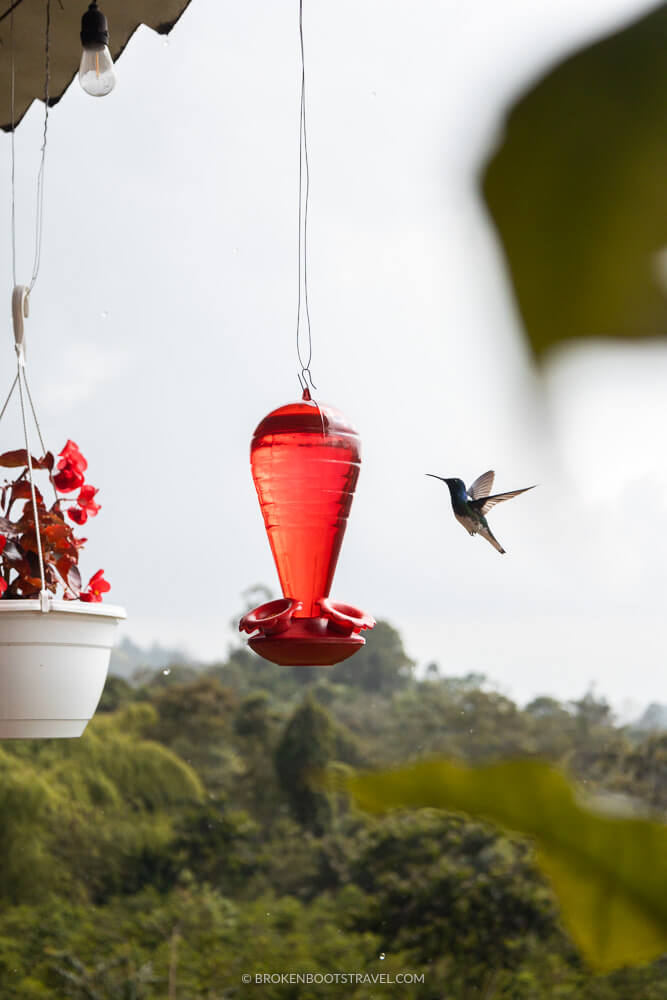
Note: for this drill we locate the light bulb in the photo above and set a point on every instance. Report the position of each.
(96, 72)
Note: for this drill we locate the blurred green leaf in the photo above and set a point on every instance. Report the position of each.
(609, 873)
(577, 191)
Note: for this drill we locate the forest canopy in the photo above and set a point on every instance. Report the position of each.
(183, 841)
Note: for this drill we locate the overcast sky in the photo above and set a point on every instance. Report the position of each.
(162, 331)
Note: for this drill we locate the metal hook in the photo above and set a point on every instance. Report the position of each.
(20, 311)
(307, 377)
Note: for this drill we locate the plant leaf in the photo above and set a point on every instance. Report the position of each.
(70, 574)
(74, 580)
(19, 457)
(21, 491)
(14, 459)
(577, 192)
(609, 873)
(7, 527)
(13, 553)
(28, 586)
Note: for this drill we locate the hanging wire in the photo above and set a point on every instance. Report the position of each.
(21, 377)
(305, 375)
(13, 170)
(39, 429)
(34, 414)
(39, 206)
(31, 479)
(9, 396)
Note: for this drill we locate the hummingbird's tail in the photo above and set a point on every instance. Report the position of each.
(490, 537)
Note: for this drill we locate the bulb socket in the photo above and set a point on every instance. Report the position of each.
(94, 27)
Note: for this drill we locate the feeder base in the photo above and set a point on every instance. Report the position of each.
(307, 650)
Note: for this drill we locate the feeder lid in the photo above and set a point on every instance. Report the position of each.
(305, 417)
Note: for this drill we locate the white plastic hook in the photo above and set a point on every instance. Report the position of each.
(20, 311)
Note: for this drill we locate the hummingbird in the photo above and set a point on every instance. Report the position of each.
(471, 505)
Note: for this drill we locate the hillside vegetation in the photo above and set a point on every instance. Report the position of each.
(183, 842)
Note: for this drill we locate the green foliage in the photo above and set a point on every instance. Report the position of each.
(202, 704)
(28, 804)
(147, 775)
(304, 750)
(160, 856)
(644, 773)
(576, 191)
(117, 692)
(51, 831)
(381, 666)
(254, 718)
(194, 719)
(218, 845)
(435, 884)
(608, 873)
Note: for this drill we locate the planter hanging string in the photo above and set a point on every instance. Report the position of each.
(21, 293)
(39, 210)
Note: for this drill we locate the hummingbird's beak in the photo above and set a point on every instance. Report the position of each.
(441, 478)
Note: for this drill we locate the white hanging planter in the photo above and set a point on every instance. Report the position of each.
(53, 665)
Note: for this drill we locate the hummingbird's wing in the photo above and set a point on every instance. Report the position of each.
(484, 504)
(482, 485)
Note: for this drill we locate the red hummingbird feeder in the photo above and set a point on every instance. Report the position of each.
(305, 461)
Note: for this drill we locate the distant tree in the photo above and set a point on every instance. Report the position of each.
(439, 886)
(195, 720)
(644, 772)
(305, 748)
(254, 718)
(382, 666)
(553, 726)
(547, 708)
(202, 705)
(116, 692)
(590, 712)
(245, 671)
(255, 728)
(597, 746)
(218, 845)
(653, 719)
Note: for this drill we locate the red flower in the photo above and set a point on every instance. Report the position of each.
(71, 467)
(77, 514)
(86, 501)
(70, 455)
(97, 586)
(87, 507)
(69, 478)
(3, 542)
